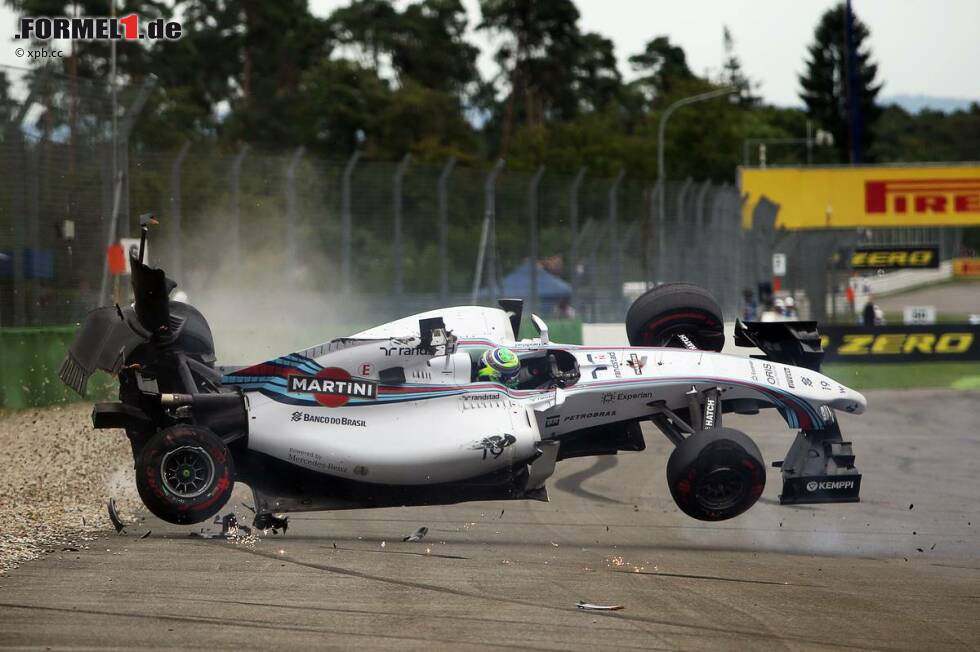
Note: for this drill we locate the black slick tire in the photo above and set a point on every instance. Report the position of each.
(185, 474)
(716, 474)
(668, 313)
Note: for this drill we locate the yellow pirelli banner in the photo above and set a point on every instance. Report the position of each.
(882, 196)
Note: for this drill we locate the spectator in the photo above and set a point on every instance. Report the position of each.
(868, 315)
(789, 310)
(750, 311)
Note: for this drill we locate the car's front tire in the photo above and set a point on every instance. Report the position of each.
(716, 474)
(185, 474)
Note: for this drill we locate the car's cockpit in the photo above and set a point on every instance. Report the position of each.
(541, 369)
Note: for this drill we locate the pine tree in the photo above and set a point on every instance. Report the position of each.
(732, 73)
(825, 84)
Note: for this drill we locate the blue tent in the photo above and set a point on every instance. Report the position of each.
(551, 289)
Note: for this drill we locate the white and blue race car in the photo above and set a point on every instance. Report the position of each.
(396, 415)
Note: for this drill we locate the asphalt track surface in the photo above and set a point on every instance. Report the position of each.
(900, 570)
(956, 298)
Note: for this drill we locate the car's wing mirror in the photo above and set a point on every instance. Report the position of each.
(541, 327)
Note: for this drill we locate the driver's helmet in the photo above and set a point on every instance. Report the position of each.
(499, 364)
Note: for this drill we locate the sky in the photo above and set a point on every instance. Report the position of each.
(771, 37)
(922, 47)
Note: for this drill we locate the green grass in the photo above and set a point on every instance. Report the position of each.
(911, 375)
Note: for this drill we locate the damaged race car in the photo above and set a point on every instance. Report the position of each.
(402, 414)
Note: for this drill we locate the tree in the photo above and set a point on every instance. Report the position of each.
(362, 30)
(429, 47)
(537, 59)
(424, 44)
(8, 106)
(337, 105)
(661, 66)
(927, 135)
(732, 73)
(280, 41)
(840, 93)
(598, 83)
(416, 69)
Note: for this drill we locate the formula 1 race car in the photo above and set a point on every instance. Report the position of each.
(397, 415)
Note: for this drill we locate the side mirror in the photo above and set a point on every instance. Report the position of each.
(541, 327)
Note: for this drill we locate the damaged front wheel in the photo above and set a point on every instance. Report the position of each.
(185, 474)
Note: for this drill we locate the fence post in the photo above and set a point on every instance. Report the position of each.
(697, 271)
(532, 219)
(19, 213)
(615, 259)
(122, 181)
(734, 218)
(125, 128)
(235, 231)
(442, 192)
(594, 268)
(681, 235)
(291, 203)
(14, 136)
(176, 235)
(573, 224)
(345, 223)
(653, 227)
(396, 200)
(699, 206)
(38, 161)
(486, 235)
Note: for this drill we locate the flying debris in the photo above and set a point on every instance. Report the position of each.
(418, 535)
(114, 515)
(598, 607)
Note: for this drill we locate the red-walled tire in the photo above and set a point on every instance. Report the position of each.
(185, 474)
(672, 309)
(716, 474)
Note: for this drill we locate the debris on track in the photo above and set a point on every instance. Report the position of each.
(418, 535)
(598, 607)
(114, 515)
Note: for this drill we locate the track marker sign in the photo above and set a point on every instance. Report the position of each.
(919, 314)
(779, 264)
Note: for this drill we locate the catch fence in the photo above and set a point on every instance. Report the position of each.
(344, 242)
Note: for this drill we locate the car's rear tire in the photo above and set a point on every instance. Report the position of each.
(185, 474)
(716, 474)
(672, 311)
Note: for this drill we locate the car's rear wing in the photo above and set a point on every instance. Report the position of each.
(106, 338)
